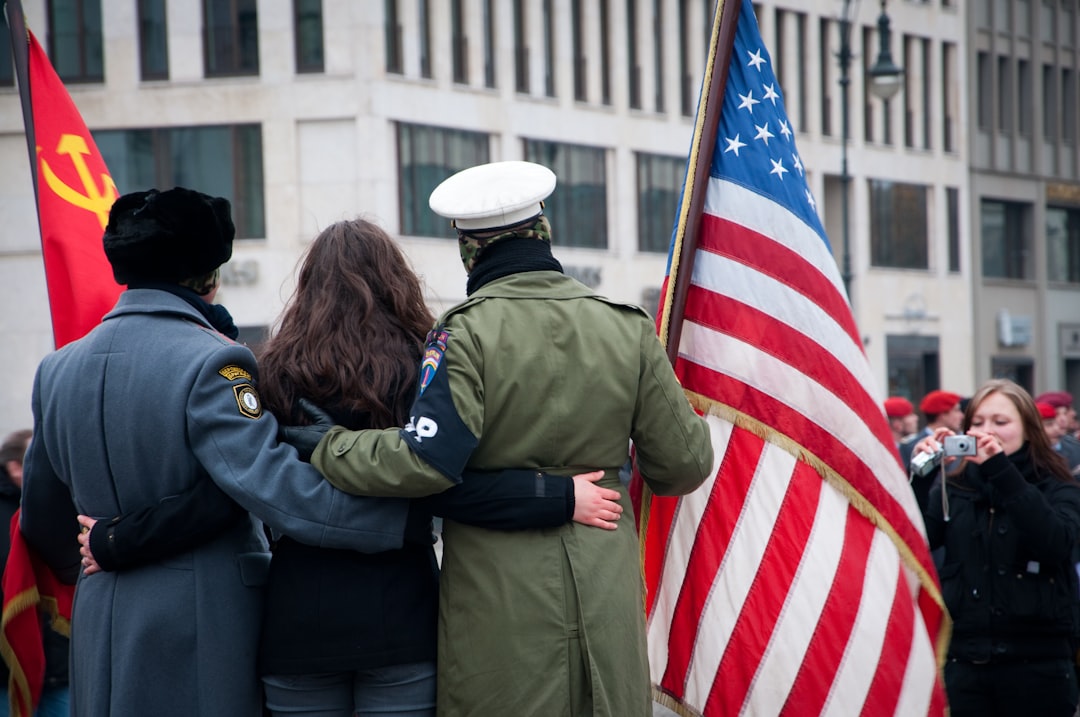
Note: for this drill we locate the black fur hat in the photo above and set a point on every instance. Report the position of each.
(168, 236)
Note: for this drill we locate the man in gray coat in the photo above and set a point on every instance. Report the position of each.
(154, 400)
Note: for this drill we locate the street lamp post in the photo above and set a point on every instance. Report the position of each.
(885, 79)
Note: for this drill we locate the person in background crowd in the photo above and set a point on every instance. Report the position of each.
(1009, 521)
(903, 420)
(54, 694)
(1068, 445)
(942, 410)
(155, 400)
(1051, 424)
(533, 370)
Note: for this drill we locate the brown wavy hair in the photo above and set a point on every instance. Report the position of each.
(352, 334)
(1044, 458)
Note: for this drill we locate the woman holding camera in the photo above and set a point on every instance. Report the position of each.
(1008, 517)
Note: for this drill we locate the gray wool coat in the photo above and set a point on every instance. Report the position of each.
(150, 401)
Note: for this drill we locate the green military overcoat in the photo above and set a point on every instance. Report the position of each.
(546, 375)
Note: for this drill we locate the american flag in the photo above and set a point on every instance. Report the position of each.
(798, 580)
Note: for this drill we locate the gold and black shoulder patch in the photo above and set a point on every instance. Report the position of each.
(232, 373)
(247, 400)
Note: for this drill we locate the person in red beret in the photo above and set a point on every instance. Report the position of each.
(902, 418)
(1067, 443)
(942, 410)
(1050, 423)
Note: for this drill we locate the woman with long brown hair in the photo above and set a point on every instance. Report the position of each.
(1009, 520)
(347, 632)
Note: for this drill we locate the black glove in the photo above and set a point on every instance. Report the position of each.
(305, 438)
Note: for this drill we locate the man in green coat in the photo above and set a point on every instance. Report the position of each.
(534, 371)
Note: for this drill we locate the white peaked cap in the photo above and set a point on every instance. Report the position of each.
(493, 195)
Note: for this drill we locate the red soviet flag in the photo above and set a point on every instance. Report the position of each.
(74, 193)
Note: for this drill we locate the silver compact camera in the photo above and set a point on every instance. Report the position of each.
(959, 446)
(923, 464)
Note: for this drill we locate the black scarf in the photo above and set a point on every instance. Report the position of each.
(218, 316)
(514, 255)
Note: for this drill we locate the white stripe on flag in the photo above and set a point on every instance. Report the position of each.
(739, 567)
(802, 607)
(761, 370)
(853, 679)
(690, 511)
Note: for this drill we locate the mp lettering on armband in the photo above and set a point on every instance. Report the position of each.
(435, 431)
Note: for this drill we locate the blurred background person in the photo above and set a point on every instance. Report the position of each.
(1068, 444)
(1008, 518)
(54, 694)
(903, 421)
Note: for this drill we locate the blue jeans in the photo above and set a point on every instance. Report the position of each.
(394, 691)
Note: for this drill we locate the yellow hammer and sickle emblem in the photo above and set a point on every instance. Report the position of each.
(98, 202)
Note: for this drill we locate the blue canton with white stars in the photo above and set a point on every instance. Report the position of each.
(755, 143)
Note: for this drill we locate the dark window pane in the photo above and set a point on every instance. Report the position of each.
(952, 198)
(153, 40)
(224, 160)
(231, 37)
(1063, 244)
(578, 206)
(898, 225)
(75, 40)
(659, 185)
(426, 156)
(7, 68)
(308, 26)
(1005, 239)
(394, 64)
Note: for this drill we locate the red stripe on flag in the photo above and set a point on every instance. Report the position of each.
(757, 251)
(766, 598)
(827, 447)
(822, 659)
(761, 330)
(662, 513)
(710, 544)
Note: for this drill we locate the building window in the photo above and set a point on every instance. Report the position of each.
(489, 45)
(605, 53)
(7, 68)
(426, 156)
(898, 225)
(1004, 94)
(952, 208)
(950, 93)
(1018, 369)
(521, 49)
(1006, 239)
(221, 160)
(577, 42)
(153, 40)
(825, 62)
(392, 28)
(308, 26)
(425, 39)
(1068, 105)
(927, 111)
(659, 184)
(549, 48)
(1025, 93)
(633, 66)
(801, 65)
(459, 42)
(231, 37)
(686, 75)
(1050, 103)
(75, 45)
(984, 92)
(658, 53)
(1063, 244)
(578, 206)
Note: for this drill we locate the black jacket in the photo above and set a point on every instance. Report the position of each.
(1008, 576)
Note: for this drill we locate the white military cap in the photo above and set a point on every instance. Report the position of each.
(493, 195)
